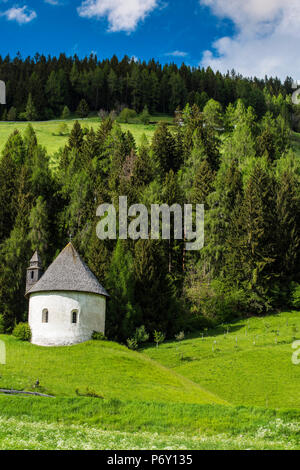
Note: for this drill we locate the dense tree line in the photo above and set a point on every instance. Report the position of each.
(41, 87)
(240, 167)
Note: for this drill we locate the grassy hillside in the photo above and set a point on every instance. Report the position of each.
(106, 368)
(33, 423)
(161, 404)
(47, 131)
(251, 365)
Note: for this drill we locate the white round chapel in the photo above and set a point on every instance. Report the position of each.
(67, 303)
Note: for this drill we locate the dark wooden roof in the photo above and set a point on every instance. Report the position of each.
(68, 273)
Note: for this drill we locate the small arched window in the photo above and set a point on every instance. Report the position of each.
(74, 316)
(45, 315)
(32, 274)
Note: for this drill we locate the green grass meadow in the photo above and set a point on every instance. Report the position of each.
(107, 368)
(83, 423)
(47, 131)
(249, 365)
(232, 388)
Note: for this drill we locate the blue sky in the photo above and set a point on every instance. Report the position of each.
(252, 36)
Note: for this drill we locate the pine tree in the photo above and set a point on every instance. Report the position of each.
(251, 244)
(30, 113)
(145, 116)
(172, 194)
(212, 113)
(202, 184)
(124, 316)
(103, 132)
(15, 148)
(178, 92)
(54, 92)
(39, 228)
(12, 114)
(4, 115)
(153, 292)
(30, 143)
(13, 263)
(76, 137)
(164, 149)
(66, 113)
(143, 170)
(288, 226)
(224, 199)
(83, 109)
(8, 181)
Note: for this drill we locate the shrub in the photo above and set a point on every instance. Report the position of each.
(66, 113)
(132, 344)
(62, 129)
(22, 116)
(127, 115)
(89, 392)
(180, 336)
(22, 331)
(141, 335)
(159, 337)
(97, 336)
(145, 116)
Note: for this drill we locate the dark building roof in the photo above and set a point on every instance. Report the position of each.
(68, 273)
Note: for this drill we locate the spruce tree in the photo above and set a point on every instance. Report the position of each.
(202, 184)
(251, 244)
(124, 316)
(288, 226)
(83, 109)
(164, 149)
(8, 183)
(38, 234)
(14, 253)
(30, 113)
(153, 291)
(76, 137)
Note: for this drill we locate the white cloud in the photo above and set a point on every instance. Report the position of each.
(52, 2)
(21, 15)
(56, 3)
(266, 39)
(176, 54)
(122, 15)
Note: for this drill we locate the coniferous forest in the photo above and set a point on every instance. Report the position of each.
(230, 148)
(40, 87)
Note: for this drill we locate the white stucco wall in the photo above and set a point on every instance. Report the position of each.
(60, 331)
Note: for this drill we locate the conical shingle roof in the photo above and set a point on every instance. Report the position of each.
(68, 273)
